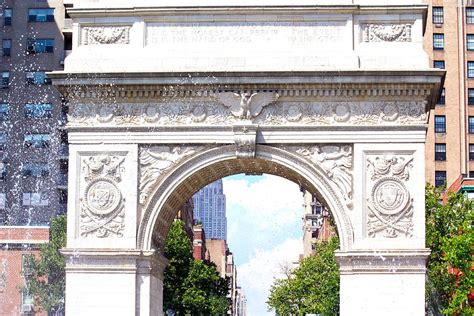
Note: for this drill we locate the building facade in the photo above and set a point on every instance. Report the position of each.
(316, 223)
(449, 42)
(35, 37)
(210, 210)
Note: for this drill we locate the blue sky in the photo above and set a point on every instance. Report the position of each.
(264, 231)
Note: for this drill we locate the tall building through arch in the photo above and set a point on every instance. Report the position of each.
(209, 209)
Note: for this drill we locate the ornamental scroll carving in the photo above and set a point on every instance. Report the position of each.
(336, 163)
(102, 204)
(387, 32)
(95, 35)
(154, 162)
(177, 113)
(390, 206)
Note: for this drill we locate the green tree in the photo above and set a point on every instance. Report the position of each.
(450, 236)
(311, 288)
(191, 287)
(45, 274)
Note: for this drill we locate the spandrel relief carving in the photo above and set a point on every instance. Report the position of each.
(389, 205)
(102, 202)
(335, 161)
(155, 161)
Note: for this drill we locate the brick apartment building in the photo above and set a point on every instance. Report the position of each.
(35, 37)
(449, 41)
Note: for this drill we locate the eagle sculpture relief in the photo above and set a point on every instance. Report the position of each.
(245, 105)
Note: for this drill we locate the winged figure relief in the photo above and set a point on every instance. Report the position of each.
(246, 105)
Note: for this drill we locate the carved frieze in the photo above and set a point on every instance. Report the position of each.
(95, 35)
(155, 161)
(102, 203)
(335, 161)
(185, 113)
(389, 205)
(386, 32)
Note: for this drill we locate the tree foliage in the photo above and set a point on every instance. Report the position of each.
(45, 274)
(450, 236)
(191, 287)
(312, 288)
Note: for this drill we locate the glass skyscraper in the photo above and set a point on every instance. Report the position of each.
(209, 209)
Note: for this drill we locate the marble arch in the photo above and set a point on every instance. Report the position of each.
(212, 164)
(164, 98)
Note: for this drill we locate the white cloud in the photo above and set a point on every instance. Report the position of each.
(258, 274)
(263, 231)
(269, 201)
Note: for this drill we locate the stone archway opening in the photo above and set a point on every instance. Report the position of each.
(191, 183)
(277, 162)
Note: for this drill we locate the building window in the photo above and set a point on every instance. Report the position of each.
(37, 77)
(3, 170)
(440, 178)
(3, 140)
(470, 15)
(4, 112)
(471, 124)
(35, 199)
(5, 79)
(6, 47)
(7, 17)
(40, 45)
(35, 170)
(440, 152)
(440, 124)
(3, 201)
(438, 41)
(37, 140)
(470, 41)
(442, 97)
(438, 15)
(470, 69)
(471, 151)
(27, 302)
(38, 110)
(41, 15)
(470, 96)
(439, 64)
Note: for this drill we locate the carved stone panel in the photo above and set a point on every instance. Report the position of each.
(389, 203)
(156, 161)
(96, 35)
(386, 32)
(102, 201)
(335, 161)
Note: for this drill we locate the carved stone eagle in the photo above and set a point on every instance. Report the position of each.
(244, 105)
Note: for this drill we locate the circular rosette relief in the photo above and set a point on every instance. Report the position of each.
(198, 114)
(390, 196)
(390, 112)
(342, 112)
(102, 196)
(294, 113)
(152, 113)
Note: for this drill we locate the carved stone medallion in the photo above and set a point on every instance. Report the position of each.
(390, 196)
(390, 207)
(102, 196)
(102, 205)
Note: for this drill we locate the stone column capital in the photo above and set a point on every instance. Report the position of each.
(396, 261)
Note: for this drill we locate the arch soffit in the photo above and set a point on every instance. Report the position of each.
(296, 169)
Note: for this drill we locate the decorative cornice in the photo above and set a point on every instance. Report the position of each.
(257, 8)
